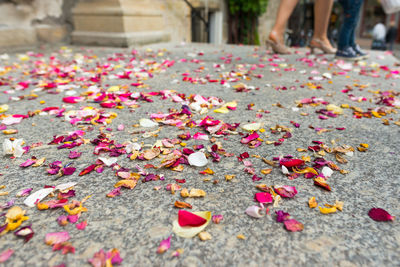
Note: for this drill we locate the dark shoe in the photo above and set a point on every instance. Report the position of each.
(359, 52)
(347, 54)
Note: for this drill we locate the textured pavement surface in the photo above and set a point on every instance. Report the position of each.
(137, 220)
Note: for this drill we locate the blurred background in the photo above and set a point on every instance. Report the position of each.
(122, 23)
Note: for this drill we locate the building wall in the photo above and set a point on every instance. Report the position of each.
(31, 22)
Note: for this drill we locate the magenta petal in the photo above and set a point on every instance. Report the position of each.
(186, 218)
(68, 170)
(293, 225)
(380, 215)
(263, 197)
(25, 232)
(74, 154)
(164, 245)
(282, 216)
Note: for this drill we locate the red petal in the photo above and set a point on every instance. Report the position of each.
(380, 215)
(186, 218)
(291, 162)
(87, 170)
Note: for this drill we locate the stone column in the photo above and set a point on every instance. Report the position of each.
(118, 23)
(266, 21)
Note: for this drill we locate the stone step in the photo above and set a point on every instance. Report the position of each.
(123, 39)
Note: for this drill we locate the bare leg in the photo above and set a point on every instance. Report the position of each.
(285, 10)
(322, 12)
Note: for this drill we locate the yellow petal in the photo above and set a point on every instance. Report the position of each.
(39, 162)
(306, 170)
(190, 231)
(3, 108)
(126, 183)
(312, 203)
(222, 110)
(197, 193)
(327, 210)
(335, 109)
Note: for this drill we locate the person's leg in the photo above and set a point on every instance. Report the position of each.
(286, 8)
(322, 12)
(349, 23)
(356, 11)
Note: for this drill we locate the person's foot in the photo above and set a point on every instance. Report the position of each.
(347, 54)
(276, 43)
(360, 52)
(323, 45)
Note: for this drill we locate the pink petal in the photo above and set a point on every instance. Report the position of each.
(293, 225)
(250, 137)
(217, 218)
(380, 215)
(81, 225)
(263, 197)
(285, 191)
(186, 218)
(27, 163)
(73, 99)
(5, 255)
(74, 154)
(73, 218)
(164, 245)
(57, 237)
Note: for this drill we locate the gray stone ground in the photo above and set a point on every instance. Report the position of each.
(138, 220)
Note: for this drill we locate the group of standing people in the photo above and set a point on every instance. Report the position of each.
(383, 37)
(346, 48)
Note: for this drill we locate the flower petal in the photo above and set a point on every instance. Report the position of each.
(57, 237)
(380, 215)
(263, 197)
(255, 212)
(188, 231)
(293, 225)
(37, 196)
(197, 159)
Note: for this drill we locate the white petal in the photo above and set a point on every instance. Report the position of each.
(255, 212)
(252, 126)
(327, 172)
(11, 120)
(285, 170)
(197, 159)
(7, 147)
(108, 161)
(38, 195)
(64, 186)
(147, 123)
(18, 151)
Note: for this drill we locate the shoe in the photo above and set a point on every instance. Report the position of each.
(277, 47)
(316, 43)
(359, 52)
(347, 54)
